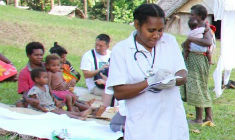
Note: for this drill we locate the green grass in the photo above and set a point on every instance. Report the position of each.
(78, 35)
(18, 27)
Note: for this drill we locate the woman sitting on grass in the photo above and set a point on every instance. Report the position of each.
(41, 92)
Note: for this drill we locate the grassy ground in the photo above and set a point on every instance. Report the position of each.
(18, 27)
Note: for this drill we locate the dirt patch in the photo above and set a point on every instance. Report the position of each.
(15, 136)
(15, 33)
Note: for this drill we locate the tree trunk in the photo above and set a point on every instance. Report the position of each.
(42, 4)
(85, 8)
(52, 4)
(108, 10)
(16, 3)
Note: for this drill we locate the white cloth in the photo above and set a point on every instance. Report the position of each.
(150, 116)
(222, 5)
(87, 63)
(227, 74)
(198, 33)
(43, 125)
(224, 10)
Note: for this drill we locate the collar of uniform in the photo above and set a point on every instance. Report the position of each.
(132, 42)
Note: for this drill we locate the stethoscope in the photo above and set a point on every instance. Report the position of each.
(149, 72)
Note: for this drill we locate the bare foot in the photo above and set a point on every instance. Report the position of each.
(207, 119)
(195, 121)
(86, 112)
(90, 102)
(211, 63)
(100, 111)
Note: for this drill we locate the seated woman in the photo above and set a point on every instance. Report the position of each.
(34, 52)
(8, 71)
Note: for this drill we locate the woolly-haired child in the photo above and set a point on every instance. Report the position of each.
(58, 86)
(69, 73)
(41, 92)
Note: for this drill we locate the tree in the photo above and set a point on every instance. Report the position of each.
(108, 10)
(85, 8)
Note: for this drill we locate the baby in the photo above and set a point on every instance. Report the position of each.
(198, 33)
(41, 92)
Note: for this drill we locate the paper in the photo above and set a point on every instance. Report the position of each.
(168, 79)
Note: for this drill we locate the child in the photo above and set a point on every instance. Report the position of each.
(198, 33)
(41, 92)
(59, 87)
(69, 72)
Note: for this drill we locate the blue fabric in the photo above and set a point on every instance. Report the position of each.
(197, 48)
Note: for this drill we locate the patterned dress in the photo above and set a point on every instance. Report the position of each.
(195, 91)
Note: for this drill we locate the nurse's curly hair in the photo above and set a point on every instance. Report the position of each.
(144, 11)
(200, 10)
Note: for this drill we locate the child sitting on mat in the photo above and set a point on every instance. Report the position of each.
(41, 92)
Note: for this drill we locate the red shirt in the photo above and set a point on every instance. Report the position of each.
(25, 83)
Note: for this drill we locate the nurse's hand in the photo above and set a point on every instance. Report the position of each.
(161, 85)
(152, 79)
(159, 76)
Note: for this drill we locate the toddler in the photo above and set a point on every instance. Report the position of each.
(41, 92)
(59, 87)
(198, 33)
(68, 71)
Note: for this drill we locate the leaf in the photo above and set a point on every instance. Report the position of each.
(190, 115)
(196, 131)
(208, 123)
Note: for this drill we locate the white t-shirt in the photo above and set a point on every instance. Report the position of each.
(87, 63)
(150, 115)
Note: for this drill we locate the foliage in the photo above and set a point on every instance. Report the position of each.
(78, 3)
(39, 5)
(97, 11)
(123, 10)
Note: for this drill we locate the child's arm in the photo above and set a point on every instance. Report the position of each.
(39, 107)
(49, 81)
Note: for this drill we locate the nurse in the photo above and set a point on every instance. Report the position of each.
(147, 56)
